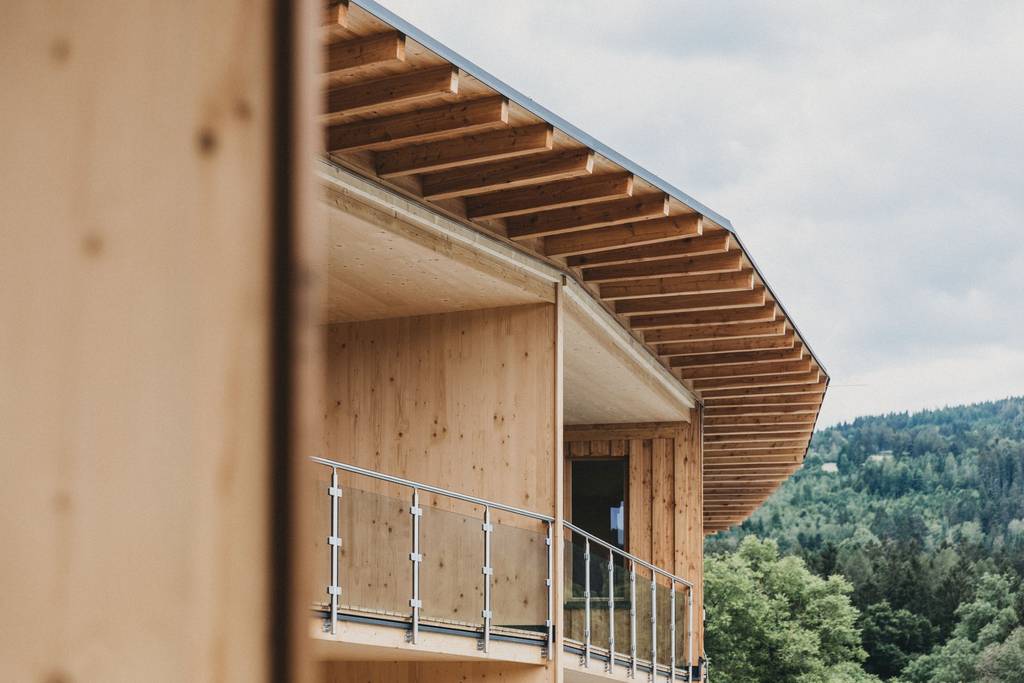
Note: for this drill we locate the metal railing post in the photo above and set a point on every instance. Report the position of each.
(550, 623)
(654, 626)
(689, 633)
(632, 618)
(334, 590)
(672, 633)
(586, 602)
(611, 610)
(416, 557)
(488, 571)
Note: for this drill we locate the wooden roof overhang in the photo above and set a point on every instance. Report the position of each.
(405, 111)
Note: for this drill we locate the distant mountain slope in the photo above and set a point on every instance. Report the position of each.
(918, 508)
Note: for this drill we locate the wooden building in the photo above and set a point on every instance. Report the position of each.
(457, 397)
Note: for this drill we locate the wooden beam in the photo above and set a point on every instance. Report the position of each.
(752, 460)
(752, 478)
(793, 433)
(713, 243)
(501, 175)
(345, 57)
(763, 410)
(689, 302)
(710, 332)
(737, 497)
(781, 390)
(686, 284)
(690, 265)
(725, 490)
(797, 446)
(575, 218)
(642, 232)
(739, 357)
(404, 88)
(762, 429)
(630, 430)
(576, 191)
(470, 149)
(726, 346)
(798, 419)
(766, 313)
(333, 21)
(755, 401)
(811, 377)
(725, 471)
(418, 126)
(789, 367)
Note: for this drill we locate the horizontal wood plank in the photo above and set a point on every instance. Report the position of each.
(728, 316)
(711, 283)
(546, 167)
(695, 246)
(689, 303)
(345, 57)
(634, 233)
(690, 265)
(418, 126)
(403, 88)
(722, 331)
(587, 190)
(469, 149)
(575, 218)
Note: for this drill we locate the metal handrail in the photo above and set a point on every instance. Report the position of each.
(673, 580)
(416, 555)
(619, 551)
(432, 489)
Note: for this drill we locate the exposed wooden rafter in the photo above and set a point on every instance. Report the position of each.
(502, 175)
(419, 126)
(584, 217)
(564, 193)
(611, 238)
(353, 55)
(392, 90)
(706, 244)
(470, 149)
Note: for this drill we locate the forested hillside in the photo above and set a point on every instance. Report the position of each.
(923, 514)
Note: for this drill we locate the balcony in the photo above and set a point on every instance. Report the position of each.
(405, 570)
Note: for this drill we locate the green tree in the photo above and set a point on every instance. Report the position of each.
(1003, 662)
(984, 622)
(892, 638)
(771, 619)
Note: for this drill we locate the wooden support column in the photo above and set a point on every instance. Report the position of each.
(562, 482)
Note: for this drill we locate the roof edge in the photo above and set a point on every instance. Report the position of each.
(581, 136)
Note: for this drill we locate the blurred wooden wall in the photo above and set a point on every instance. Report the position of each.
(138, 142)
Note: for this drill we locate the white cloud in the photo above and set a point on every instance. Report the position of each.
(870, 154)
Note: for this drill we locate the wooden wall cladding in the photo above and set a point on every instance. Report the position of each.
(433, 672)
(459, 400)
(665, 492)
(463, 401)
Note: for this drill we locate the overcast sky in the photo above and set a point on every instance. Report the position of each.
(871, 155)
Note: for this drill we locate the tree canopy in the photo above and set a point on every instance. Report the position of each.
(924, 521)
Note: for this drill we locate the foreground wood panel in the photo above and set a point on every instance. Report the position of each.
(135, 355)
